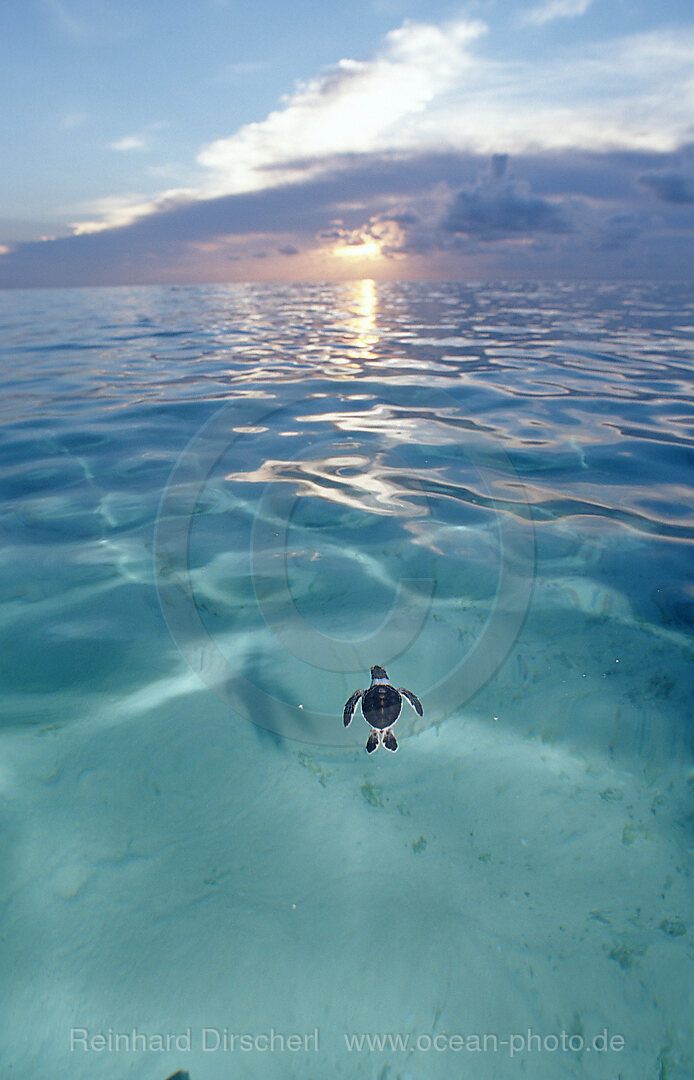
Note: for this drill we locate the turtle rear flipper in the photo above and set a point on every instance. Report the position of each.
(372, 742)
(413, 700)
(390, 742)
(350, 707)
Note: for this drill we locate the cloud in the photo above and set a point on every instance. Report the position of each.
(72, 120)
(426, 205)
(129, 142)
(499, 208)
(429, 148)
(494, 210)
(499, 166)
(556, 9)
(355, 107)
(670, 187)
(499, 215)
(429, 89)
(619, 231)
(115, 212)
(139, 140)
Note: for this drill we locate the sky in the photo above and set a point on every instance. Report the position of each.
(159, 141)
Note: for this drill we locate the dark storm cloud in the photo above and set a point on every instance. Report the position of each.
(498, 215)
(494, 209)
(437, 202)
(499, 166)
(670, 187)
(139, 250)
(405, 219)
(619, 232)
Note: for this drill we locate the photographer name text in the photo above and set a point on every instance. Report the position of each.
(208, 1039)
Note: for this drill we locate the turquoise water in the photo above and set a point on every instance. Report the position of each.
(221, 506)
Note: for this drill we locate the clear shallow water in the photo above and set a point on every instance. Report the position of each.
(220, 507)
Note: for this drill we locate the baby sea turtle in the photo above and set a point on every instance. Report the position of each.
(381, 705)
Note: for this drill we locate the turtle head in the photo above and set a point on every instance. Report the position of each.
(378, 672)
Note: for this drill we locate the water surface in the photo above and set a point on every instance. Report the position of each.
(220, 506)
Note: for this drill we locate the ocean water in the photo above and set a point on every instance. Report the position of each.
(221, 506)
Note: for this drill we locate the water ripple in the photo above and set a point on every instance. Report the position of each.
(584, 391)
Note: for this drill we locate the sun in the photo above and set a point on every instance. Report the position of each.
(367, 249)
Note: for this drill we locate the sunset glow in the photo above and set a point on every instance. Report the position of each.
(533, 139)
(368, 249)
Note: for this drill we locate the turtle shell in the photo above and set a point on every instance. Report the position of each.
(381, 706)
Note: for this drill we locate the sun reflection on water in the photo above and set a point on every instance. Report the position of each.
(362, 325)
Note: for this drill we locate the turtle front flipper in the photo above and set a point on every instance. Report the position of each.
(372, 742)
(389, 741)
(413, 700)
(351, 706)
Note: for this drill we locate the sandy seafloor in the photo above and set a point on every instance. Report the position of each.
(522, 864)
